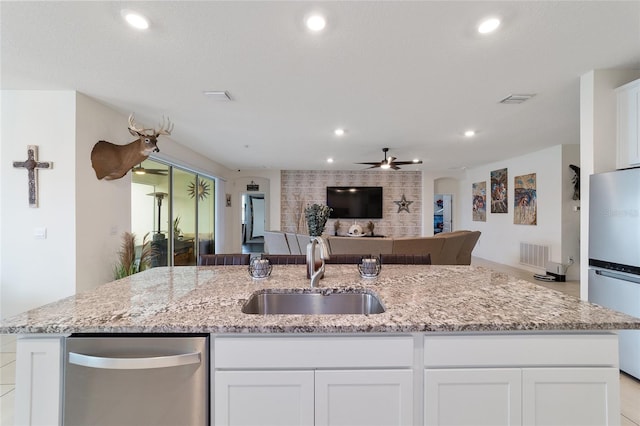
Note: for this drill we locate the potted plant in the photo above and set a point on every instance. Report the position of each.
(127, 263)
(177, 232)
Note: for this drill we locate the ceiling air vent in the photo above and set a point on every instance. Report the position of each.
(516, 99)
(218, 95)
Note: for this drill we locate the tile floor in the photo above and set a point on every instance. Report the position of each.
(7, 378)
(629, 386)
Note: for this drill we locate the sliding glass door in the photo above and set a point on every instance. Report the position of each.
(175, 207)
(206, 215)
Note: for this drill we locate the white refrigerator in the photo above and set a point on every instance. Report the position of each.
(614, 253)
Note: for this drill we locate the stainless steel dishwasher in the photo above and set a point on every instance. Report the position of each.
(121, 380)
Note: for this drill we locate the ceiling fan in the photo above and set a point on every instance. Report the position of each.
(139, 170)
(390, 163)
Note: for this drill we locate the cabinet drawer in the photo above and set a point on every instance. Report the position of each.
(239, 352)
(521, 350)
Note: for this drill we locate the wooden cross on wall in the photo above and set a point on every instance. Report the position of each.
(32, 165)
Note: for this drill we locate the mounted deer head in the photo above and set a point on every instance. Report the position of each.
(112, 161)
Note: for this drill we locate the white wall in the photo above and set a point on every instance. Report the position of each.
(103, 208)
(269, 183)
(570, 213)
(84, 217)
(445, 186)
(37, 271)
(500, 240)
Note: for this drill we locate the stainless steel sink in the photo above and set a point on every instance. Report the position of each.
(317, 302)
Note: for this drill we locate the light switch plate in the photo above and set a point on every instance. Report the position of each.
(40, 233)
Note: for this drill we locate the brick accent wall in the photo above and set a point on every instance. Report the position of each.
(302, 187)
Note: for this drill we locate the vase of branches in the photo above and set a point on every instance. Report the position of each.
(336, 227)
(316, 216)
(370, 227)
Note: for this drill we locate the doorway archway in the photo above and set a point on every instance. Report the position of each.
(253, 222)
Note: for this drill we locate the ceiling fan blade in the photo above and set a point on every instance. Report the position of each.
(395, 167)
(376, 164)
(404, 163)
(374, 167)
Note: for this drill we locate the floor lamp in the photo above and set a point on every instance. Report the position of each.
(159, 197)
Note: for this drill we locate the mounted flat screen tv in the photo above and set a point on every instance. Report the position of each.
(355, 202)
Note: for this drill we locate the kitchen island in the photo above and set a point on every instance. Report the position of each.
(456, 344)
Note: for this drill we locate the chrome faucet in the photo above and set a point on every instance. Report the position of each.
(316, 274)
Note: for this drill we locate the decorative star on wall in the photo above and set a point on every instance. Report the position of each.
(201, 190)
(403, 204)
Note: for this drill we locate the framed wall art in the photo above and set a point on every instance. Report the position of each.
(479, 201)
(499, 200)
(525, 206)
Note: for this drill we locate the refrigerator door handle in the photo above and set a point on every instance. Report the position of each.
(134, 363)
(618, 276)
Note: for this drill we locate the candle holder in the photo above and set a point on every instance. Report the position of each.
(369, 267)
(260, 267)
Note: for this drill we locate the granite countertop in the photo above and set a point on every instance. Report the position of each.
(417, 299)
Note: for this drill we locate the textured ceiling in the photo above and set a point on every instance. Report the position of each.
(411, 76)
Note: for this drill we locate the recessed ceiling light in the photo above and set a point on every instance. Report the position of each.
(329, 160)
(316, 22)
(338, 132)
(488, 25)
(135, 19)
(469, 133)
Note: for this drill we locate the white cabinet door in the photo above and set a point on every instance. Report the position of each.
(265, 398)
(466, 396)
(38, 380)
(571, 396)
(628, 124)
(634, 138)
(364, 397)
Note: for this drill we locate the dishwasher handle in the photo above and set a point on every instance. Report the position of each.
(134, 363)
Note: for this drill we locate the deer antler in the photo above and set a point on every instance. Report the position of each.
(163, 130)
(133, 129)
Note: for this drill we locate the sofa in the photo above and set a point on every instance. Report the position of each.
(449, 248)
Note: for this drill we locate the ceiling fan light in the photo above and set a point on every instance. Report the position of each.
(139, 170)
(385, 166)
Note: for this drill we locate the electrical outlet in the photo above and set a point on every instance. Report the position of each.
(40, 233)
(570, 259)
